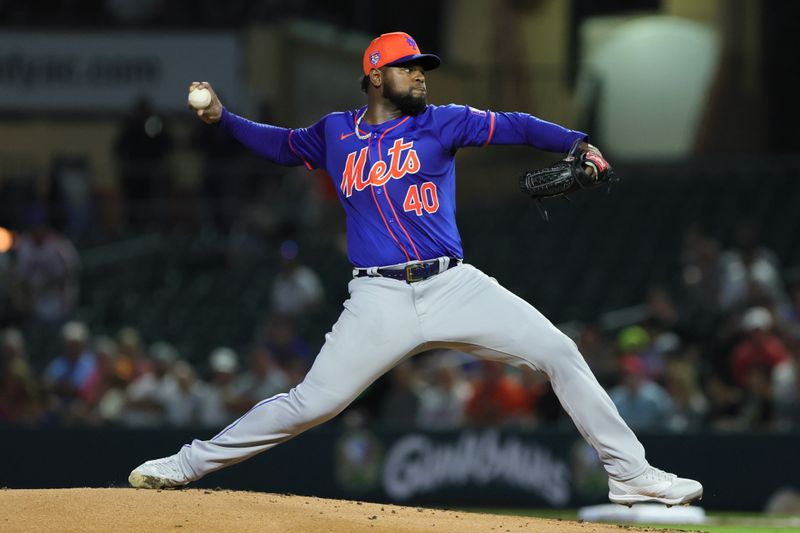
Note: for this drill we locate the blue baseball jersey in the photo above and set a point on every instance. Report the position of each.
(398, 185)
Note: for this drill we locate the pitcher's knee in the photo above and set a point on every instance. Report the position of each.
(557, 342)
(558, 350)
(316, 407)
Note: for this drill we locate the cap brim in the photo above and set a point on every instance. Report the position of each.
(428, 61)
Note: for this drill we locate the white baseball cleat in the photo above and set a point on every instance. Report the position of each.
(655, 485)
(161, 473)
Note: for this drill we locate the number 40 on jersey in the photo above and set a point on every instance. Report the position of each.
(423, 197)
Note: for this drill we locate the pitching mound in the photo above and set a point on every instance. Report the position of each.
(103, 510)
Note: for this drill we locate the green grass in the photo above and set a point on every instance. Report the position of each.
(723, 528)
(718, 522)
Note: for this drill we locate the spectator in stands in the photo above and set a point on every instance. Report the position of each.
(760, 346)
(635, 340)
(296, 289)
(263, 379)
(44, 285)
(143, 146)
(46, 272)
(443, 398)
(147, 396)
(745, 264)
(757, 410)
(104, 350)
(400, 404)
(19, 389)
(690, 406)
(220, 403)
(700, 277)
(641, 402)
(497, 398)
(68, 378)
(656, 356)
(132, 355)
(113, 378)
(184, 402)
(663, 326)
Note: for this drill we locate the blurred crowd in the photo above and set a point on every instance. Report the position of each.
(54, 370)
(118, 380)
(720, 351)
(85, 379)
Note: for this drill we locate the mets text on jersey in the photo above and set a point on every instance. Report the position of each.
(380, 172)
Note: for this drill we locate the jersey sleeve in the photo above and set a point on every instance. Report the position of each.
(522, 128)
(290, 147)
(265, 140)
(460, 126)
(308, 144)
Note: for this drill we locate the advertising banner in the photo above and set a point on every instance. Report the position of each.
(100, 72)
(455, 467)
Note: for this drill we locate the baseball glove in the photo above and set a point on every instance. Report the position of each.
(567, 176)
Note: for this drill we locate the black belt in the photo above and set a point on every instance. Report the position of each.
(409, 273)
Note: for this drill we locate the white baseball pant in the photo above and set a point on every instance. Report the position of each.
(385, 321)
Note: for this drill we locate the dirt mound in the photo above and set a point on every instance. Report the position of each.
(102, 510)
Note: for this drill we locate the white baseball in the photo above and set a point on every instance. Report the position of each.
(200, 98)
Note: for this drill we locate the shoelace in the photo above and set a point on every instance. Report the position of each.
(167, 468)
(659, 475)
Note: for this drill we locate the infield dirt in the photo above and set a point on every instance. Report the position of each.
(104, 510)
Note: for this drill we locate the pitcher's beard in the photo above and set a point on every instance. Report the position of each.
(408, 104)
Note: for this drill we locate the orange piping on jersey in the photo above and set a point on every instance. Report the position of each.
(402, 228)
(375, 199)
(380, 154)
(309, 167)
(491, 129)
(372, 190)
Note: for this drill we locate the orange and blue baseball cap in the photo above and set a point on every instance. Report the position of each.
(396, 48)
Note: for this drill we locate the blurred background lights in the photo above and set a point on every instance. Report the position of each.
(6, 240)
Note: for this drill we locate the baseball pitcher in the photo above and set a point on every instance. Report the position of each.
(393, 166)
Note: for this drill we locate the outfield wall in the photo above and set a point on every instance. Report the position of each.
(471, 467)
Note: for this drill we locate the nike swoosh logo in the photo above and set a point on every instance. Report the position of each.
(342, 136)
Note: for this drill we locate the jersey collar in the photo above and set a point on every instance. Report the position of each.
(367, 127)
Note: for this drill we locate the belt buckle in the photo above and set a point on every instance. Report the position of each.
(411, 273)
